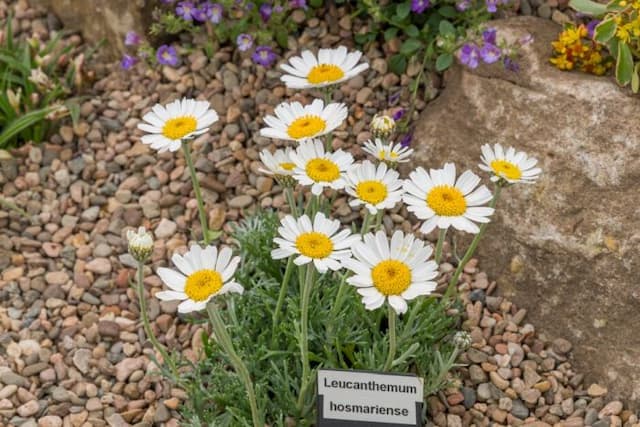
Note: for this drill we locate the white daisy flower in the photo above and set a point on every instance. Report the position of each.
(442, 201)
(375, 187)
(318, 169)
(510, 165)
(396, 271)
(320, 242)
(331, 66)
(278, 164)
(390, 153)
(203, 274)
(181, 119)
(293, 121)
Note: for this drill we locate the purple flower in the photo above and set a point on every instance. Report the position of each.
(489, 36)
(469, 55)
(510, 64)
(264, 56)
(249, 6)
(490, 53)
(591, 27)
(419, 6)
(203, 12)
(278, 9)
(405, 141)
(131, 39)
(265, 11)
(492, 6)
(244, 41)
(215, 14)
(297, 4)
(167, 1)
(167, 55)
(463, 5)
(128, 61)
(394, 98)
(186, 10)
(398, 114)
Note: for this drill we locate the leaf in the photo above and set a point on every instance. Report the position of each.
(398, 63)
(605, 30)
(446, 28)
(635, 79)
(588, 7)
(410, 46)
(412, 31)
(282, 38)
(22, 123)
(316, 3)
(448, 11)
(624, 64)
(402, 10)
(390, 33)
(444, 61)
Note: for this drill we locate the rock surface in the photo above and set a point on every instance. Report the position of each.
(102, 20)
(564, 248)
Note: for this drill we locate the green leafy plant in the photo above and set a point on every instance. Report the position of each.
(35, 82)
(619, 31)
(350, 337)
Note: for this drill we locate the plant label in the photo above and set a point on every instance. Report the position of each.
(362, 398)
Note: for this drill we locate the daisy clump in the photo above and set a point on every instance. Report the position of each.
(327, 279)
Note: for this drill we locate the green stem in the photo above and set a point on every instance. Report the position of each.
(142, 302)
(304, 334)
(196, 190)
(378, 223)
(366, 223)
(392, 339)
(335, 310)
(441, 236)
(220, 331)
(291, 200)
(283, 293)
(328, 142)
(451, 288)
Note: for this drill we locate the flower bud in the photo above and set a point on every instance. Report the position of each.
(14, 99)
(462, 340)
(382, 126)
(140, 244)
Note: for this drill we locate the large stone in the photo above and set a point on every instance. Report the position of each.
(566, 248)
(99, 20)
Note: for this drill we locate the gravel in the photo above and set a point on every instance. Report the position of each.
(71, 346)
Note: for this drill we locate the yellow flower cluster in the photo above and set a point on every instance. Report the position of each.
(574, 50)
(628, 22)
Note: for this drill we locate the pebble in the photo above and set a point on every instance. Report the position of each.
(165, 229)
(596, 390)
(50, 421)
(81, 360)
(99, 266)
(28, 409)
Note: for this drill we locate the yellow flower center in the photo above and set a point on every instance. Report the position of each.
(506, 169)
(288, 166)
(382, 154)
(306, 126)
(314, 244)
(391, 277)
(325, 73)
(372, 192)
(322, 170)
(202, 284)
(179, 127)
(393, 155)
(446, 200)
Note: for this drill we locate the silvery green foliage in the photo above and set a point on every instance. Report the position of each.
(352, 338)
